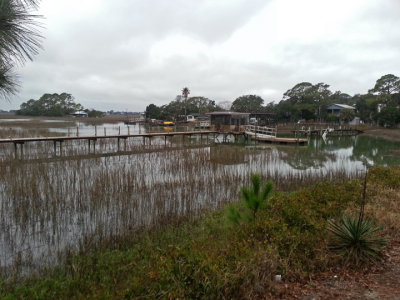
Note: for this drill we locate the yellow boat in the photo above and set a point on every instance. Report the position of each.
(168, 123)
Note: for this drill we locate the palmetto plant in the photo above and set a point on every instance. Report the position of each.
(357, 239)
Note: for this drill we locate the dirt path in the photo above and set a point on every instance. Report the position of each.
(380, 282)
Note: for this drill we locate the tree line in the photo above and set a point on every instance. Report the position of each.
(55, 105)
(381, 105)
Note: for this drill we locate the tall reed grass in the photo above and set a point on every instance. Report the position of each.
(53, 204)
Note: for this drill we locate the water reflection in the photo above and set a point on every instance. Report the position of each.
(353, 150)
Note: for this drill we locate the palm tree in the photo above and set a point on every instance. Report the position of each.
(185, 94)
(20, 39)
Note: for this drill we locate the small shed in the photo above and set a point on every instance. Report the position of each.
(335, 109)
(229, 120)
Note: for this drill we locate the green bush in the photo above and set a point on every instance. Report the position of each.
(253, 199)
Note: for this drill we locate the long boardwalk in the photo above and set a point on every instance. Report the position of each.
(58, 140)
(93, 139)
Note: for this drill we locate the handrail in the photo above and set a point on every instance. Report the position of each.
(253, 129)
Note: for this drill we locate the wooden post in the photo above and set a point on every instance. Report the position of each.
(128, 130)
(77, 131)
(55, 147)
(119, 130)
(69, 131)
(105, 132)
(95, 130)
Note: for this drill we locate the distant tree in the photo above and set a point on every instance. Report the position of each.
(386, 85)
(92, 113)
(248, 103)
(307, 93)
(153, 111)
(367, 107)
(50, 105)
(224, 105)
(199, 105)
(346, 115)
(389, 114)
(19, 40)
(340, 98)
(185, 94)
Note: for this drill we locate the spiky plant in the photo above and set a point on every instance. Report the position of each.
(253, 198)
(356, 239)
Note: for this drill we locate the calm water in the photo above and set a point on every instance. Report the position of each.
(75, 200)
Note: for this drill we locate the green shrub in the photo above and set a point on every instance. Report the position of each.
(388, 177)
(253, 199)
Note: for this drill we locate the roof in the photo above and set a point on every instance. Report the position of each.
(228, 113)
(340, 106)
(80, 112)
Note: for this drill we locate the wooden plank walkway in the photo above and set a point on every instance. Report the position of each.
(277, 140)
(335, 132)
(95, 137)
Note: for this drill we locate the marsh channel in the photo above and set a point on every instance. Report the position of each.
(74, 201)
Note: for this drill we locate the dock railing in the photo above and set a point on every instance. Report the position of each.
(260, 130)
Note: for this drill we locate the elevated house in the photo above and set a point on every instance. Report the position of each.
(229, 120)
(336, 109)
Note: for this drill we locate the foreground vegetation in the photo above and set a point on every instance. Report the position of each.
(212, 258)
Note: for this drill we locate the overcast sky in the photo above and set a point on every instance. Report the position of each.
(126, 54)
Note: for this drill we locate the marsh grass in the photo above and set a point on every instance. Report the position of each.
(50, 204)
(193, 257)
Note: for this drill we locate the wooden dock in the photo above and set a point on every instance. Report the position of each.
(281, 140)
(58, 141)
(92, 139)
(95, 137)
(335, 132)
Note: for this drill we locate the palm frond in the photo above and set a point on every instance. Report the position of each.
(20, 38)
(8, 83)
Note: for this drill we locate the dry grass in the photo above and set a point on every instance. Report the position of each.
(385, 208)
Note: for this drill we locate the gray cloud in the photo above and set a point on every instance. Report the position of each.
(126, 54)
